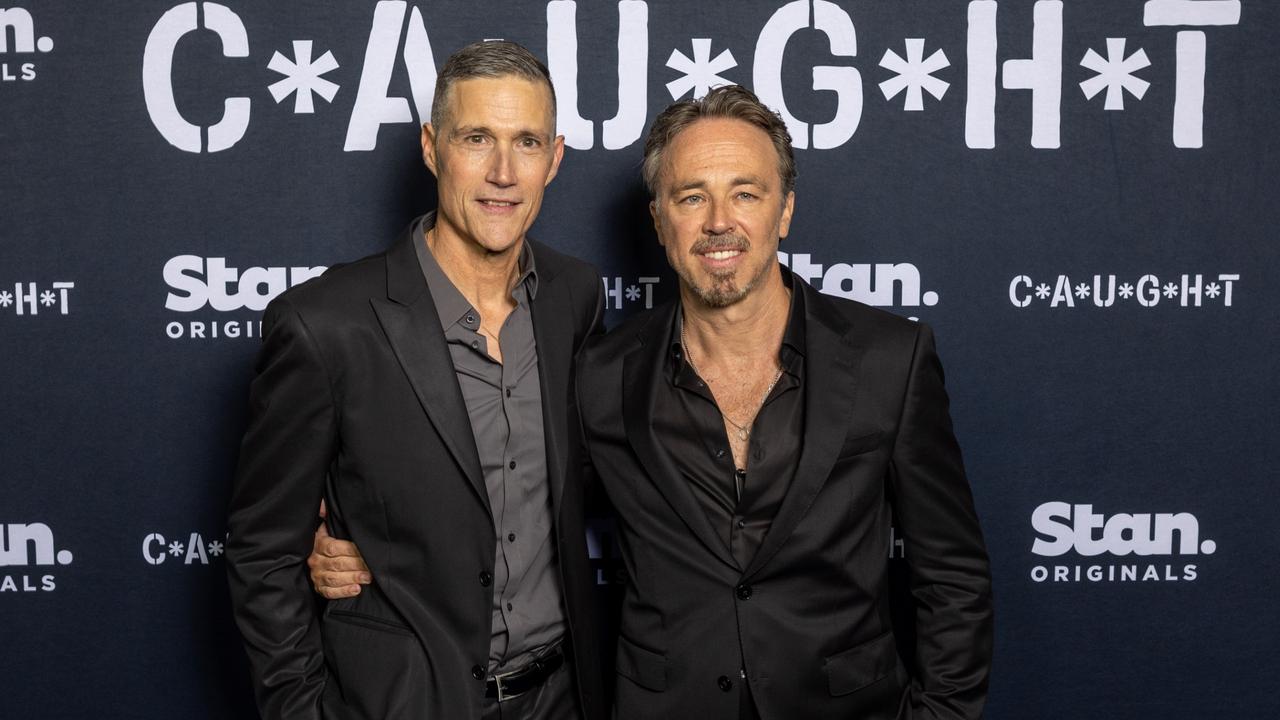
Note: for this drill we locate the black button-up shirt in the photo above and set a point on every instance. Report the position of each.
(504, 404)
(688, 423)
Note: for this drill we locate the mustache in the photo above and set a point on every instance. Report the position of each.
(720, 242)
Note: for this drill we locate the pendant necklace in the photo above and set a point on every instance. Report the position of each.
(742, 432)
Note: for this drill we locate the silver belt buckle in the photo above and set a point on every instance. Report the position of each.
(502, 688)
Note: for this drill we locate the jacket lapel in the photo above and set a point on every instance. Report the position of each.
(409, 318)
(553, 337)
(642, 379)
(831, 366)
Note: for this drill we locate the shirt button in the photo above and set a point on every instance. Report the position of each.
(511, 537)
(477, 672)
(719, 452)
(475, 344)
(743, 592)
(508, 392)
(741, 523)
(724, 683)
(486, 578)
(509, 607)
(512, 464)
(471, 319)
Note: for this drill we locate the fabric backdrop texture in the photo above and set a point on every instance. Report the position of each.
(1080, 196)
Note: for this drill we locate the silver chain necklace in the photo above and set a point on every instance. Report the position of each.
(743, 432)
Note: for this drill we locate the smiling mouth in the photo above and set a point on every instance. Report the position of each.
(499, 203)
(722, 254)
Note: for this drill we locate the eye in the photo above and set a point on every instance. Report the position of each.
(690, 200)
(530, 142)
(475, 139)
(744, 195)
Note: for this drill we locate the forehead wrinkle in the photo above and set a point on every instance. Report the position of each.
(493, 97)
(485, 129)
(468, 129)
(737, 181)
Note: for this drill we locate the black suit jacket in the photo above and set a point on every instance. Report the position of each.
(809, 618)
(355, 400)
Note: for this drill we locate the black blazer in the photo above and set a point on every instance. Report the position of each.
(355, 400)
(809, 618)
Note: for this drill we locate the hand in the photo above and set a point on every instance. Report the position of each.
(337, 568)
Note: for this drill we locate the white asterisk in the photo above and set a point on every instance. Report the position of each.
(1212, 290)
(701, 73)
(1116, 74)
(1042, 291)
(914, 74)
(1126, 291)
(1170, 290)
(215, 548)
(175, 548)
(1082, 291)
(47, 298)
(6, 298)
(633, 292)
(302, 77)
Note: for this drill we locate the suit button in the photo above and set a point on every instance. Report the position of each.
(486, 578)
(743, 592)
(477, 672)
(725, 683)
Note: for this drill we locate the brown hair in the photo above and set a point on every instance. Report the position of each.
(488, 59)
(729, 101)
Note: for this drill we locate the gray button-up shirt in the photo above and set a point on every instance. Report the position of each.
(504, 402)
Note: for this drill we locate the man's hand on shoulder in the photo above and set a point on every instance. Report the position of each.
(337, 568)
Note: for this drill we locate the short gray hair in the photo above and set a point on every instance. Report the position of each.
(730, 101)
(488, 59)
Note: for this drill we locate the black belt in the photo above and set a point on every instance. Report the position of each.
(505, 686)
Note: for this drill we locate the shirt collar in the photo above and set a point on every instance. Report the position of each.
(450, 303)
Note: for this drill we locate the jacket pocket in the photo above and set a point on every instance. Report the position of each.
(377, 669)
(645, 668)
(369, 622)
(861, 665)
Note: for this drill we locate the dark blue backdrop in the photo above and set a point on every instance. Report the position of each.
(1080, 196)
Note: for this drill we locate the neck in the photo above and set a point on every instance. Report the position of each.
(750, 329)
(484, 278)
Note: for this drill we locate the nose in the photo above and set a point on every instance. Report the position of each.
(501, 168)
(718, 220)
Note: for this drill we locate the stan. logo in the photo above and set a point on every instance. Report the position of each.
(24, 545)
(1063, 529)
(197, 283)
(18, 24)
(881, 284)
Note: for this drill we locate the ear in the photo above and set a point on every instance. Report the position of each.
(558, 155)
(788, 206)
(428, 139)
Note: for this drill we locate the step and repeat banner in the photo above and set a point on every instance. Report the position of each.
(1080, 196)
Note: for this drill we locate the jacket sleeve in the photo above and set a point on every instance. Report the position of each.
(950, 578)
(287, 449)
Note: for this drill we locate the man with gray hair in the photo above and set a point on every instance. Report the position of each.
(424, 394)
